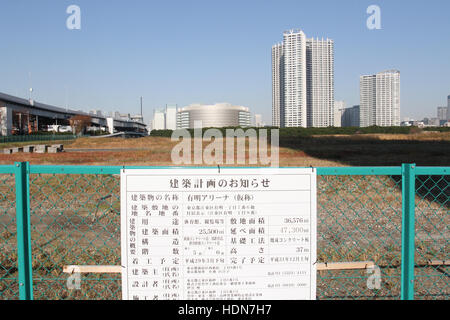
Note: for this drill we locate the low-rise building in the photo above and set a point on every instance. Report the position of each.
(20, 116)
(218, 116)
(351, 117)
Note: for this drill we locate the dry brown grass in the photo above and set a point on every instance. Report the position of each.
(426, 148)
(151, 151)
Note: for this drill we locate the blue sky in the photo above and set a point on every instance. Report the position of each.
(182, 52)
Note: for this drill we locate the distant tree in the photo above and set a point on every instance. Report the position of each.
(415, 130)
(79, 123)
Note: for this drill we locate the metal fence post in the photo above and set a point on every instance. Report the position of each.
(408, 230)
(22, 171)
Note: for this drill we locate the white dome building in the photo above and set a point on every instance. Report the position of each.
(218, 116)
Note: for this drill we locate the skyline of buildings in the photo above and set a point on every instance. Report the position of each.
(303, 92)
(350, 117)
(303, 87)
(160, 76)
(343, 117)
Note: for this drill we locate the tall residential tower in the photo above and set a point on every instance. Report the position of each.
(380, 99)
(448, 108)
(277, 85)
(302, 81)
(320, 82)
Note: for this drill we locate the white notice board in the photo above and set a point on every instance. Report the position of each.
(205, 234)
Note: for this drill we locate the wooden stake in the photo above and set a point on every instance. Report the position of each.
(355, 265)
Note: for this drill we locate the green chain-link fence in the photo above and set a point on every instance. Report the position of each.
(9, 287)
(359, 219)
(75, 220)
(432, 236)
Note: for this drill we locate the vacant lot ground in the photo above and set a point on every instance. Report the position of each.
(75, 219)
(430, 149)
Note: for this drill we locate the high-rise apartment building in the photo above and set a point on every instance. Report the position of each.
(258, 121)
(367, 93)
(165, 119)
(380, 99)
(159, 120)
(320, 82)
(171, 117)
(350, 117)
(339, 108)
(294, 81)
(277, 85)
(442, 113)
(448, 107)
(302, 81)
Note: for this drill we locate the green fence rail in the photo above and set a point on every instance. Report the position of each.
(396, 217)
(37, 137)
